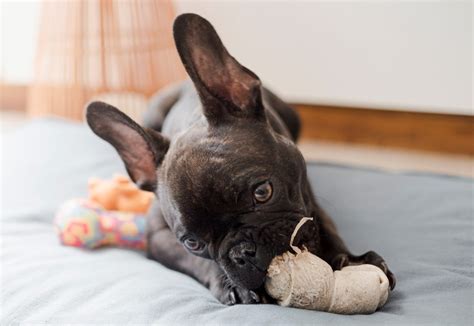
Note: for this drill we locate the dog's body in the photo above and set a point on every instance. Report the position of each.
(230, 183)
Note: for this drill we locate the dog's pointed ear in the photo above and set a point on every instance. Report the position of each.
(225, 86)
(142, 150)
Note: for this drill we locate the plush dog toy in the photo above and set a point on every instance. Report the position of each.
(303, 280)
(119, 194)
(83, 223)
(112, 215)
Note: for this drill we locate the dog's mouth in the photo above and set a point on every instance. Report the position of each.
(247, 272)
(270, 242)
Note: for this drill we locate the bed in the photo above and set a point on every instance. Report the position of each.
(422, 224)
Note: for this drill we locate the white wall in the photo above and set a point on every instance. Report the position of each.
(401, 55)
(18, 35)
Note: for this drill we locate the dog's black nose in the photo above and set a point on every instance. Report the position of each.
(243, 253)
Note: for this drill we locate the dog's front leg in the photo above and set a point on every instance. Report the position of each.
(335, 252)
(167, 250)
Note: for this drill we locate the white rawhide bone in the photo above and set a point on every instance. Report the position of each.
(306, 281)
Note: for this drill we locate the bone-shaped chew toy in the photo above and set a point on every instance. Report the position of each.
(306, 281)
(86, 224)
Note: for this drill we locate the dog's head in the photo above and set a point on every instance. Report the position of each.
(230, 188)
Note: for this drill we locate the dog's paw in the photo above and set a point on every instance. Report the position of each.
(370, 257)
(237, 295)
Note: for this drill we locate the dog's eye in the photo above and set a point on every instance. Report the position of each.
(193, 244)
(263, 192)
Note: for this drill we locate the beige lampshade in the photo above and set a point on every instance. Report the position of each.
(87, 48)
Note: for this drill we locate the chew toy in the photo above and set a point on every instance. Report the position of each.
(119, 194)
(113, 214)
(303, 280)
(83, 223)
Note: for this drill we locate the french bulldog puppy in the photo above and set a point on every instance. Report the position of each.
(230, 183)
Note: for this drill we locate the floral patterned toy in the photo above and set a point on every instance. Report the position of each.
(101, 219)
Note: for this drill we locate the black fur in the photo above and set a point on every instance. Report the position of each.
(220, 138)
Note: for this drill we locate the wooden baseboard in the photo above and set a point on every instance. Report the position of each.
(422, 131)
(411, 130)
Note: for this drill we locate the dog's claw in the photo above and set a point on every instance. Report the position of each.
(254, 296)
(392, 280)
(340, 261)
(232, 298)
(238, 295)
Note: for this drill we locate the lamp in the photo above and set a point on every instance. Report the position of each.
(87, 49)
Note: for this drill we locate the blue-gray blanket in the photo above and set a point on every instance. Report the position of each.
(421, 224)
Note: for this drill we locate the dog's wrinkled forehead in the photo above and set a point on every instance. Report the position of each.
(216, 171)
